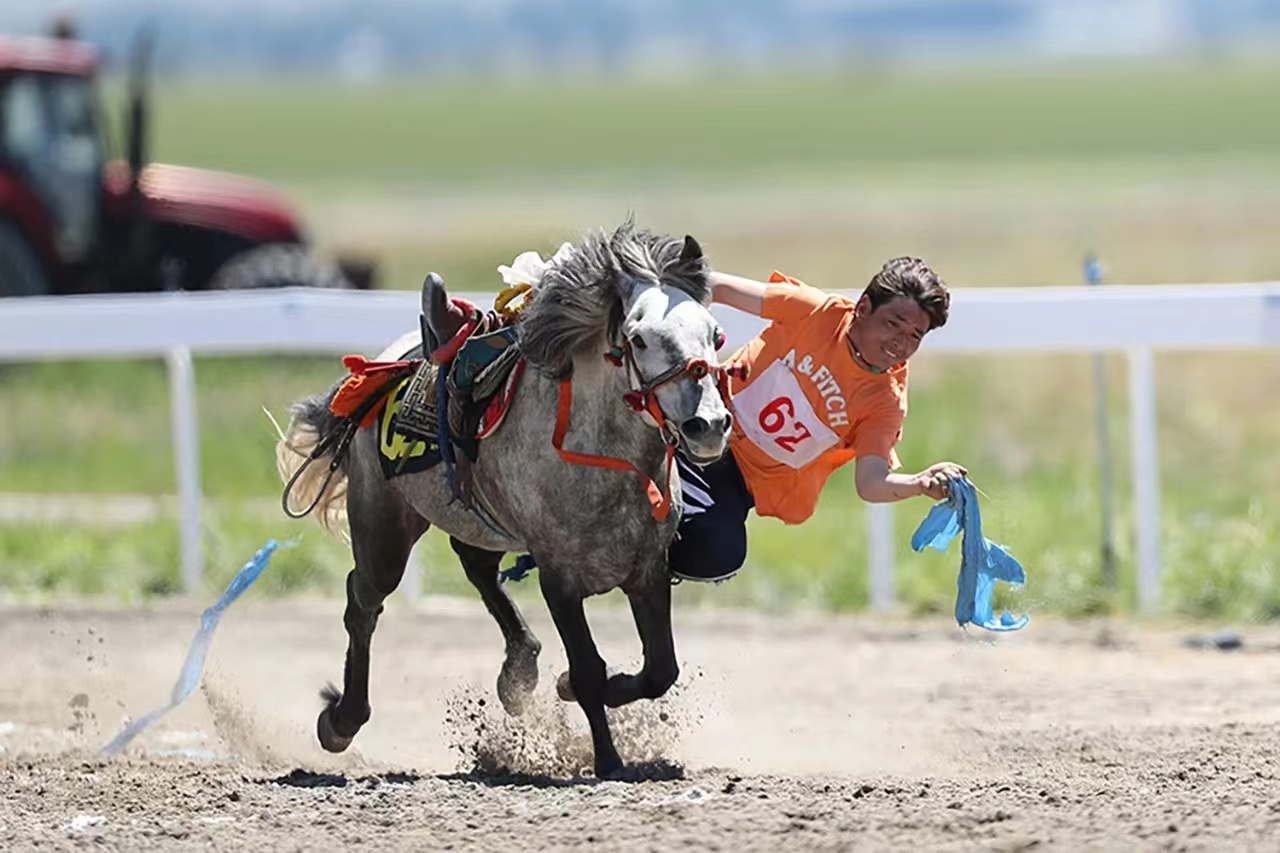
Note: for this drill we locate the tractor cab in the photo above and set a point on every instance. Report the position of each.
(51, 159)
(74, 220)
(49, 137)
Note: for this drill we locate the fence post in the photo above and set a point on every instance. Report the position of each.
(411, 584)
(1106, 485)
(1143, 438)
(880, 556)
(186, 463)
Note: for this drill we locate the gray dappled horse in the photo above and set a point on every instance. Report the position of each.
(620, 340)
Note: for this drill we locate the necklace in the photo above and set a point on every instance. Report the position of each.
(859, 358)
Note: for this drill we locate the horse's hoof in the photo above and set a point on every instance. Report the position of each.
(518, 680)
(330, 739)
(564, 687)
(611, 768)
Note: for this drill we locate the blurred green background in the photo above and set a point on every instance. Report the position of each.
(996, 176)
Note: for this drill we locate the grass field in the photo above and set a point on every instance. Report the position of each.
(1172, 174)
(459, 135)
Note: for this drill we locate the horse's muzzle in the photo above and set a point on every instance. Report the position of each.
(706, 440)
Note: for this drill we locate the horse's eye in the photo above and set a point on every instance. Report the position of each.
(638, 342)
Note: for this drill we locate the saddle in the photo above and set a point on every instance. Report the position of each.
(471, 377)
(470, 371)
(409, 433)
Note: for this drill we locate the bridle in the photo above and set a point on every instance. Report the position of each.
(643, 399)
(643, 396)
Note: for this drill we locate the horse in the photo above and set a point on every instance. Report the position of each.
(622, 351)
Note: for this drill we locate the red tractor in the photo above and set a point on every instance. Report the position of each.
(73, 220)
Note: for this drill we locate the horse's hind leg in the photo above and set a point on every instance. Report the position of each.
(382, 535)
(519, 674)
(586, 668)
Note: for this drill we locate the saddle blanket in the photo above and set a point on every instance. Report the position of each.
(400, 454)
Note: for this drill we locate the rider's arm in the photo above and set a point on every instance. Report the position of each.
(878, 485)
(745, 294)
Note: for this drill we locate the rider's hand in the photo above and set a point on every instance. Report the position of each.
(933, 480)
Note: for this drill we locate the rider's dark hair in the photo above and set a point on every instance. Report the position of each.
(911, 277)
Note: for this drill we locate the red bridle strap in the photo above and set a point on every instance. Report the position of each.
(659, 499)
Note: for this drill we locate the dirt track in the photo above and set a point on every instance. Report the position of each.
(793, 734)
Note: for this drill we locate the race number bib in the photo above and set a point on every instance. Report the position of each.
(776, 416)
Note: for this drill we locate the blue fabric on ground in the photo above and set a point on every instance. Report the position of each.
(982, 562)
(193, 667)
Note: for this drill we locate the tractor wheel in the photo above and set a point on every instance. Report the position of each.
(20, 270)
(276, 265)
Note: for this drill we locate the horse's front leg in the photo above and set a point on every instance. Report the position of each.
(586, 667)
(651, 607)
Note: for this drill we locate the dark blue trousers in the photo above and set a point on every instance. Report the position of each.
(711, 542)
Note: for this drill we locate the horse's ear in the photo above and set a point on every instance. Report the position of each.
(691, 251)
(626, 284)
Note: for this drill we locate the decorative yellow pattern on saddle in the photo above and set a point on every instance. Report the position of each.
(398, 453)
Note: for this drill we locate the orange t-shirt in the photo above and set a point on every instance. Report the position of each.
(807, 408)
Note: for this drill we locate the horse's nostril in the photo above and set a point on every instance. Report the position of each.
(695, 427)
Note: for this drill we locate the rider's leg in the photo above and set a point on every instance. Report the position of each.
(711, 543)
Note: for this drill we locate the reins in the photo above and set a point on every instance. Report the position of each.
(659, 499)
(644, 401)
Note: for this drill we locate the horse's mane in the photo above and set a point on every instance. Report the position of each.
(579, 300)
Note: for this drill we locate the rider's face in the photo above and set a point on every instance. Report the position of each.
(890, 334)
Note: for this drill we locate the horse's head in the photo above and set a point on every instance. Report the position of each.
(640, 298)
(667, 341)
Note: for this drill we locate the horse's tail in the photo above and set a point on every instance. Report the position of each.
(320, 485)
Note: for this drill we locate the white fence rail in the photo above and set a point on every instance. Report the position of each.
(1137, 320)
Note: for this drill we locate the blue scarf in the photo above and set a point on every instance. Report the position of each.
(982, 562)
(193, 666)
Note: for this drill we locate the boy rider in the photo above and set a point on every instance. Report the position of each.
(826, 385)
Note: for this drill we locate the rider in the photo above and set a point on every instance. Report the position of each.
(826, 384)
